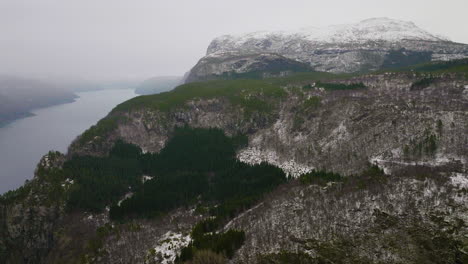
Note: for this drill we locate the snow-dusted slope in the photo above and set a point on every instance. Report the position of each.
(374, 29)
(370, 29)
(371, 44)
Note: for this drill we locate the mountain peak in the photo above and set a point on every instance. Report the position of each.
(372, 29)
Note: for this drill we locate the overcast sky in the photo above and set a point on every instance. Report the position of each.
(136, 39)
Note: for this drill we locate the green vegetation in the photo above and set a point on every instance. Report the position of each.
(225, 244)
(335, 86)
(273, 70)
(320, 177)
(307, 77)
(422, 83)
(371, 175)
(196, 165)
(205, 237)
(100, 181)
(103, 127)
(340, 86)
(312, 103)
(93, 249)
(206, 170)
(426, 146)
(17, 194)
(253, 95)
(47, 185)
(297, 122)
(436, 68)
(442, 67)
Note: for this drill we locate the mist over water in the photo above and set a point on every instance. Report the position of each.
(25, 141)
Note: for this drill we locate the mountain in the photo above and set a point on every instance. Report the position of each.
(305, 168)
(19, 96)
(158, 84)
(368, 45)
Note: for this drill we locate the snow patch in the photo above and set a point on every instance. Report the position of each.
(169, 246)
(375, 29)
(460, 180)
(126, 196)
(255, 155)
(338, 134)
(229, 224)
(439, 160)
(146, 178)
(67, 183)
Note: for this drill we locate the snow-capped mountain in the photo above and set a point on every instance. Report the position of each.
(374, 29)
(370, 44)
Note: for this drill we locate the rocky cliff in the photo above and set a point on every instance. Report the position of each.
(390, 121)
(370, 44)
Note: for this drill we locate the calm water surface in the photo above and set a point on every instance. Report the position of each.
(25, 141)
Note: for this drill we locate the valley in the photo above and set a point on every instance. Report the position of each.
(23, 142)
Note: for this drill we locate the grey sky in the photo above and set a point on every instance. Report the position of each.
(136, 39)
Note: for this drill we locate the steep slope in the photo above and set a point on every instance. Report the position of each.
(307, 124)
(402, 218)
(235, 65)
(412, 125)
(371, 44)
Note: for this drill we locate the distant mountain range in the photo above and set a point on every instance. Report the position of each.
(371, 44)
(158, 84)
(18, 96)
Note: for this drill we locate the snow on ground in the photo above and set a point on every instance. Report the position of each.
(374, 29)
(447, 57)
(146, 178)
(67, 183)
(460, 180)
(256, 156)
(126, 196)
(439, 160)
(169, 246)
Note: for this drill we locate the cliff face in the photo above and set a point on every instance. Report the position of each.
(364, 46)
(412, 126)
(28, 219)
(391, 122)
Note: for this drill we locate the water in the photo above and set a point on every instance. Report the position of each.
(25, 141)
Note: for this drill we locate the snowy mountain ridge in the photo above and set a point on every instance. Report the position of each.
(373, 29)
(369, 45)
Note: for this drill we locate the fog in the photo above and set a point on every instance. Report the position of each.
(130, 40)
